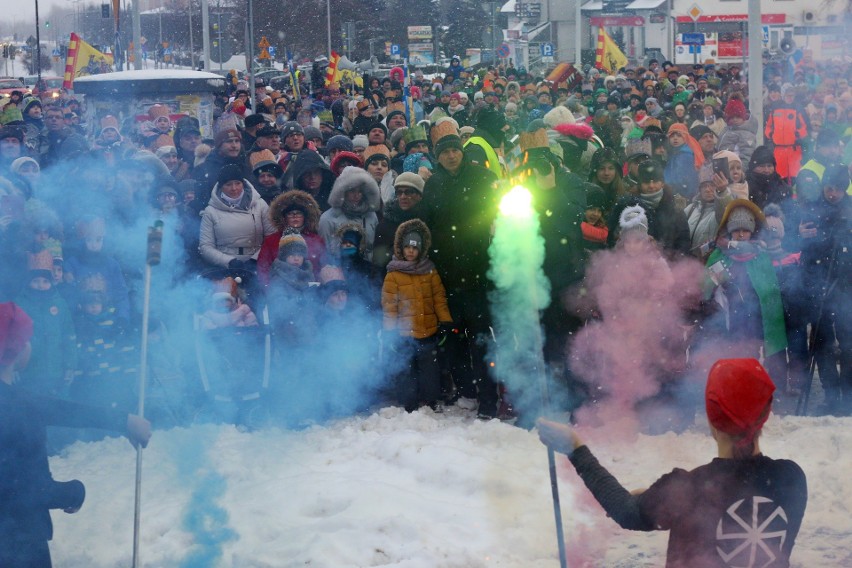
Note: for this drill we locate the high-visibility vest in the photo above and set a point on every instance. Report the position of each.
(492, 160)
(819, 170)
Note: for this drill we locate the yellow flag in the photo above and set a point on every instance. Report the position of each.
(83, 59)
(607, 55)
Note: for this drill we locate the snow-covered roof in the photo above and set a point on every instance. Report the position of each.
(134, 83)
(148, 75)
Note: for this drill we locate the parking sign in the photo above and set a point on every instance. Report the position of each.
(547, 50)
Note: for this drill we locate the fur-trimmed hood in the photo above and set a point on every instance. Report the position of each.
(345, 228)
(297, 197)
(352, 178)
(413, 225)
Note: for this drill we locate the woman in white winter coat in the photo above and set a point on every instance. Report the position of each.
(354, 198)
(234, 223)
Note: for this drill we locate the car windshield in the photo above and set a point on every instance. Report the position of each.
(54, 83)
(11, 84)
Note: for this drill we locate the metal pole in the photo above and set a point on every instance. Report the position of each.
(137, 36)
(219, 30)
(578, 34)
(328, 24)
(191, 46)
(155, 243)
(755, 66)
(250, 51)
(38, 47)
(205, 32)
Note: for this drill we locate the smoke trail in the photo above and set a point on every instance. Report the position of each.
(633, 355)
(521, 292)
(204, 518)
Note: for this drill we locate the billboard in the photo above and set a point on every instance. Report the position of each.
(420, 33)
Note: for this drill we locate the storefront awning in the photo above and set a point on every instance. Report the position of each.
(646, 4)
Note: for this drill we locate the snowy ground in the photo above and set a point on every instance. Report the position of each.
(418, 490)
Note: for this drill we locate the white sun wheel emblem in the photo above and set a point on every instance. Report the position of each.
(751, 537)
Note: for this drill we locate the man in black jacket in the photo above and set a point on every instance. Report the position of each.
(27, 488)
(460, 205)
(667, 222)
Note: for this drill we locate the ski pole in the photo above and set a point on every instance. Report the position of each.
(152, 258)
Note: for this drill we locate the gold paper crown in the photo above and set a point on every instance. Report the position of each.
(263, 156)
(530, 140)
(156, 111)
(40, 261)
(398, 105)
(444, 127)
(375, 149)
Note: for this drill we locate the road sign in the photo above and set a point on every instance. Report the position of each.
(264, 43)
(394, 49)
(503, 50)
(264, 53)
(692, 39)
(547, 50)
(695, 12)
(271, 50)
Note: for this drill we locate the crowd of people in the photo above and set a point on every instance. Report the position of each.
(365, 218)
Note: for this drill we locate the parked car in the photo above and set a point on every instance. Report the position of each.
(10, 84)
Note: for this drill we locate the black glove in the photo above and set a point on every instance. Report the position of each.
(237, 264)
(67, 495)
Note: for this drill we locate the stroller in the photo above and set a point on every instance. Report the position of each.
(233, 351)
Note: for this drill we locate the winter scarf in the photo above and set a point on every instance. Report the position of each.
(652, 200)
(296, 277)
(242, 202)
(355, 211)
(421, 266)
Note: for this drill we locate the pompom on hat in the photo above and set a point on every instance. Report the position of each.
(738, 397)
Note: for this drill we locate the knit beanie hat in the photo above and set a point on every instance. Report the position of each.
(163, 151)
(409, 179)
(595, 196)
(836, 176)
(229, 172)
(633, 218)
(343, 159)
(650, 170)
(224, 134)
(360, 141)
(738, 397)
(741, 218)
(413, 239)
(397, 136)
(291, 128)
(16, 329)
(292, 243)
(735, 109)
(339, 142)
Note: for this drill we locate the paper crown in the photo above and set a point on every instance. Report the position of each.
(415, 133)
(445, 126)
(40, 261)
(530, 140)
(375, 150)
(262, 158)
(109, 121)
(157, 111)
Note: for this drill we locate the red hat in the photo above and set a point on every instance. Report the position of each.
(735, 109)
(738, 397)
(16, 329)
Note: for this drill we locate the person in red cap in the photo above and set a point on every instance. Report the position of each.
(27, 488)
(741, 509)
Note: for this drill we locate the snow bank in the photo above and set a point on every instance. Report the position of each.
(393, 489)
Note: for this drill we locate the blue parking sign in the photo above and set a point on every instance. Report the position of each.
(395, 49)
(547, 50)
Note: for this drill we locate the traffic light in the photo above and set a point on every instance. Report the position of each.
(104, 10)
(5, 51)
